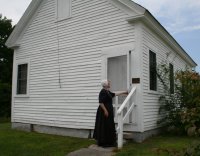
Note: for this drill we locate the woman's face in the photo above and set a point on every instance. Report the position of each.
(108, 84)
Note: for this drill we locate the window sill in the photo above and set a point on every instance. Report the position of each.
(153, 92)
(60, 20)
(21, 96)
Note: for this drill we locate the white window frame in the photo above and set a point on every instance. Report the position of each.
(70, 11)
(156, 79)
(171, 63)
(20, 62)
(153, 48)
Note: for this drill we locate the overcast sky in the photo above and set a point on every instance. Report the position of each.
(180, 17)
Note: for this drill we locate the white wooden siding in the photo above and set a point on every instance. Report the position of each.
(94, 25)
(150, 98)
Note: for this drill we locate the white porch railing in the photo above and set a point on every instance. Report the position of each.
(121, 118)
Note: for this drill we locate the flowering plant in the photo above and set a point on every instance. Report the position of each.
(180, 110)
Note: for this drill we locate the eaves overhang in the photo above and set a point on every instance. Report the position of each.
(154, 25)
(22, 24)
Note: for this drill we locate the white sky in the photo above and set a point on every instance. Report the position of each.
(180, 17)
(13, 9)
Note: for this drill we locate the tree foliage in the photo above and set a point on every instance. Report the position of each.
(6, 60)
(181, 110)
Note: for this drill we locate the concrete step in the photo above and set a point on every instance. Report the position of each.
(128, 136)
(94, 150)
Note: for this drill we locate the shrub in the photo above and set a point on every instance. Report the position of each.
(193, 150)
(181, 110)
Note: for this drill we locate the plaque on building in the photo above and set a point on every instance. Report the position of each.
(135, 80)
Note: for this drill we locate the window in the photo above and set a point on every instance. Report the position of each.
(22, 79)
(152, 72)
(171, 78)
(63, 9)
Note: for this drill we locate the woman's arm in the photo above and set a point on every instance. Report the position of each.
(104, 109)
(121, 93)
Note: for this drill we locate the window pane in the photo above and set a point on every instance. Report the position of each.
(23, 87)
(152, 71)
(63, 9)
(22, 79)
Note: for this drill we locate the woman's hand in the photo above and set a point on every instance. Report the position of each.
(106, 113)
(121, 93)
(104, 110)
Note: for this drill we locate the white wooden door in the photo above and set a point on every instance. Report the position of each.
(118, 72)
(116, 67)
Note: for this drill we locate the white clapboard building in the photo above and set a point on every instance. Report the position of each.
(64, 48)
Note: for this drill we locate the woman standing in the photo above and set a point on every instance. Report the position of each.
(104, 132)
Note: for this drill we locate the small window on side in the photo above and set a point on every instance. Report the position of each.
(171, 78)
(22, 78)
(152, 71)
(63, 9)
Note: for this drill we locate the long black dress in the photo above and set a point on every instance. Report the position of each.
(104, 132)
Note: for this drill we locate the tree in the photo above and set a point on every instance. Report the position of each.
(6, 61)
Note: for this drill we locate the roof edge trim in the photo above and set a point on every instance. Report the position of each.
(148, 19)
(11, 41)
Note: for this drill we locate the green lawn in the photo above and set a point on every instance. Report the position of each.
(158, 146)
(4, 120)
(18, 143)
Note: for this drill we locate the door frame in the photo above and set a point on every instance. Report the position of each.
(114, 51)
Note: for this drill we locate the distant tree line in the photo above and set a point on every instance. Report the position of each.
(6, 65)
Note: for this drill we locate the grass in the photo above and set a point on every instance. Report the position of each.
(18, 143)
(158, 146)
